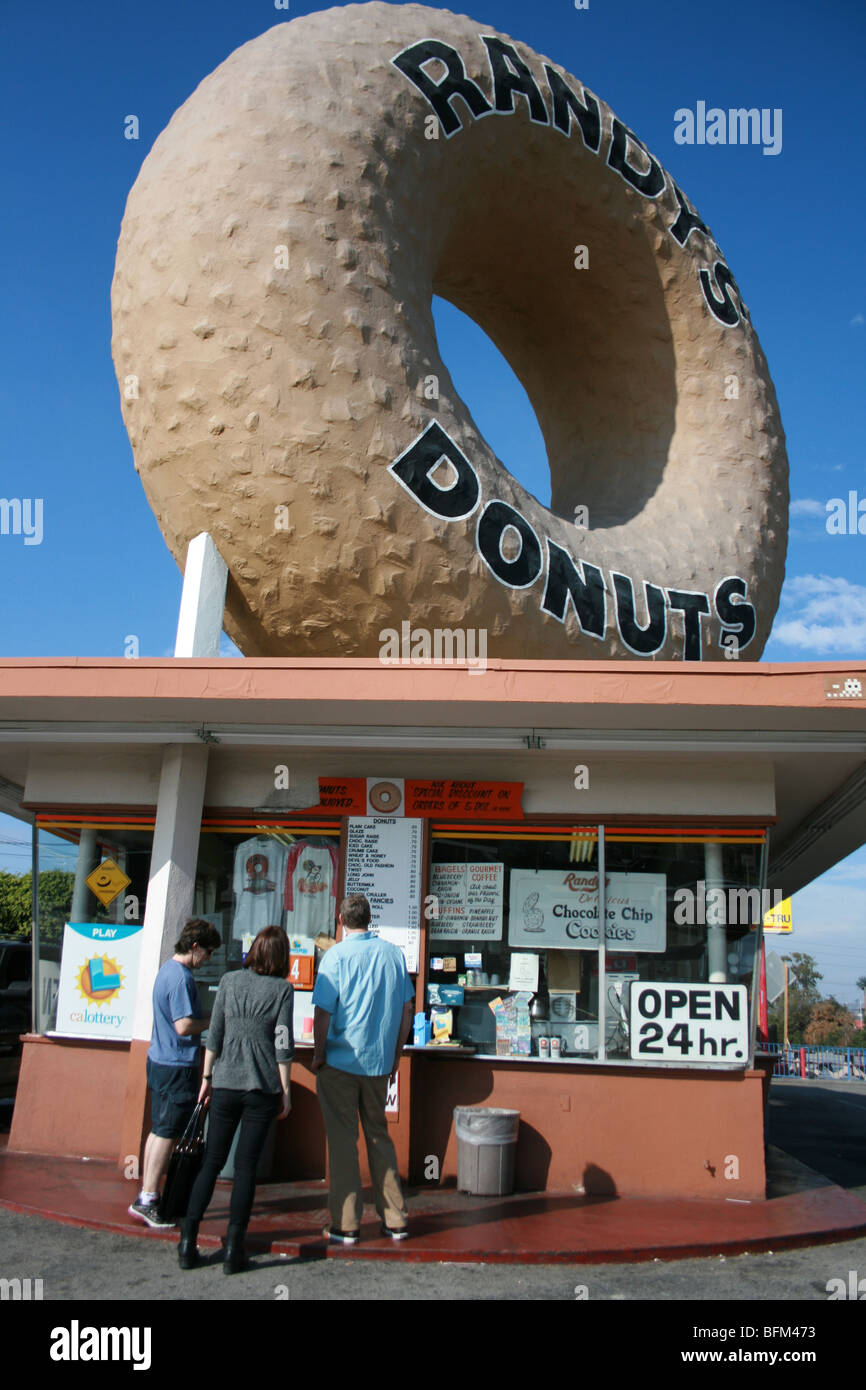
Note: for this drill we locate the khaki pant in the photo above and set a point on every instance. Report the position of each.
(343, 1097)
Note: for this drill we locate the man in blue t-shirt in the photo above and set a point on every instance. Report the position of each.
(363, 1001)
(172, 1059)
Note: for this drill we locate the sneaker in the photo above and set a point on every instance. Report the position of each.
(341, 1237)
(395, 1232)
(149, 1213)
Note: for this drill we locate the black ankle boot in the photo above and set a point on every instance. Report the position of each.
(187, 1251)
(234, 1259)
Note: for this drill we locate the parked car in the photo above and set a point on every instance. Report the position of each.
(16, 994)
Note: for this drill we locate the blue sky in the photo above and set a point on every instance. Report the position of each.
(789, 225)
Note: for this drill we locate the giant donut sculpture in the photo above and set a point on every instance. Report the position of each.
(283, 389)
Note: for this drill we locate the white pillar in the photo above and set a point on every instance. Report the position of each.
(203, 600)
(717, 936)
(171, 886)
(86, 862)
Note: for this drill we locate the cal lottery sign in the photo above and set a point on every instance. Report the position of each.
(98, 976)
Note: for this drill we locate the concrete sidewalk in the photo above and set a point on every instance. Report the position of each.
(446, 1225)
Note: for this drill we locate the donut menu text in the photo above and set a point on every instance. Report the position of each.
(383, 861)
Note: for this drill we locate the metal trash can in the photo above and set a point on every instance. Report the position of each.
(486, 1143)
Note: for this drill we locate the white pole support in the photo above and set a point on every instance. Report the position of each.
(173, 861)
(203, 600)
(717, 936)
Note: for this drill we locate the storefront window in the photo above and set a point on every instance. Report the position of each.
(253, 874)
(514, 949)
(93, 872)
(515, 963)
(494, 941)
(710, 883)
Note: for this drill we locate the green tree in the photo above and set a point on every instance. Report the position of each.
(803, 995)
(803, 974)
(831, 1025)
(16, 904)
(55, 902)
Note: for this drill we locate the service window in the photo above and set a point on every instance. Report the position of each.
(515, 965)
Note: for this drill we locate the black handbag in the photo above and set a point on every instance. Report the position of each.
(186, 1160)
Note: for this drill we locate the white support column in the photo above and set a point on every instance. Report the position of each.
(85, 864)
(172, 868)
(717, 935)
(171, 886)
(203, 601)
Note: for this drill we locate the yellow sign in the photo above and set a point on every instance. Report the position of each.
(781, 918)
(106, 881)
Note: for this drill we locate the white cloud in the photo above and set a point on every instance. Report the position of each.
(822, 615)
(808, 506)
(857, 321)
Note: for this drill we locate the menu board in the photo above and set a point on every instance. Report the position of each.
(383, 861)
(468, 902)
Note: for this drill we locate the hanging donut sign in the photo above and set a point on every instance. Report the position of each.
(283, 388)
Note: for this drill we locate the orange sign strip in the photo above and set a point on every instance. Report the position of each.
(492, 800)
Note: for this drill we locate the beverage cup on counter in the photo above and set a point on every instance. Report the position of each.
(544, 1047)
(555, 1049)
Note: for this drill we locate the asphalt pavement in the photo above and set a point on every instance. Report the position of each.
(74, 1263)
(822, 1124)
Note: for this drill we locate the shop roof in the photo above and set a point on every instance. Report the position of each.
(808, 720)
(663, 695)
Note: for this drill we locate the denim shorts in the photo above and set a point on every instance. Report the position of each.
(173, 1095)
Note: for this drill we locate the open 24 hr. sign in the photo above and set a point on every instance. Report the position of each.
(689, 1022)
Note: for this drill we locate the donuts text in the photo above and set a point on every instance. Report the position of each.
(567, 581)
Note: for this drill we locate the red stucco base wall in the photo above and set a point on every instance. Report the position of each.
(604, 1130)
(301, 1150)
(70, 1097)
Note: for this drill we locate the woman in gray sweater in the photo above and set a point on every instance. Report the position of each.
(246, 1083)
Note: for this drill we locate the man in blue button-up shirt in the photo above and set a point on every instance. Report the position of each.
(363, 1002)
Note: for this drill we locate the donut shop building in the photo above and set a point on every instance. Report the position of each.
(494, 819)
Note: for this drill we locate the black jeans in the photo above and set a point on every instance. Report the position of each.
(253, 1110)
